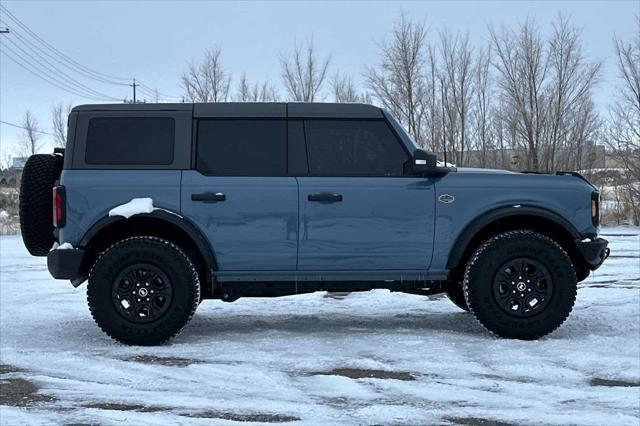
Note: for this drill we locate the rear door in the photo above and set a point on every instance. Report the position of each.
(239, 194)
(358, 208)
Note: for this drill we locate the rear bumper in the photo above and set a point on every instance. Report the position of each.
(67, 265)
(594, 252)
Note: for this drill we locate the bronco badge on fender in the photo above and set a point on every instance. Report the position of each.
(446, 198)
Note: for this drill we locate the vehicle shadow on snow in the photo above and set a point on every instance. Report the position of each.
(208, 325)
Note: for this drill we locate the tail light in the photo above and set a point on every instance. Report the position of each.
(595, 208)
(59, 209)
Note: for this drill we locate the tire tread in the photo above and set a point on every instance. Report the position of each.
(498, 239)
(36, 215)
(194, 274)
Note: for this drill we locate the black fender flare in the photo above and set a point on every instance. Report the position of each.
(200, 242)
(472, 229)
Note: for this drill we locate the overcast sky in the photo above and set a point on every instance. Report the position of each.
(154, 41)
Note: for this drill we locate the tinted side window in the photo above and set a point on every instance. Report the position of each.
(353, 148)
(130, 140)
(242, 147)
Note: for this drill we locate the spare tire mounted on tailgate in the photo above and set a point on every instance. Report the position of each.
(36, 199)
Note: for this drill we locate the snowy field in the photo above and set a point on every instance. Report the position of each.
(372, 358)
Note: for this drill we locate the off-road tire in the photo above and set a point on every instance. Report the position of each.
(455, 293)
(36, 199)
(485, 265)
(158, 253)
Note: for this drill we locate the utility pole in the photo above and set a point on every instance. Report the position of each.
(134, 85)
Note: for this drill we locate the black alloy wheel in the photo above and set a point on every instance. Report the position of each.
(142, 293)
(522, 287)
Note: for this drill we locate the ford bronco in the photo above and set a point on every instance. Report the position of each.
(159, 206)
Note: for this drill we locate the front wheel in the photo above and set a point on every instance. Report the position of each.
(520, 284)
(143, 291)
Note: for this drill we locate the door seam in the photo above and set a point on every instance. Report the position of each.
(297, 225)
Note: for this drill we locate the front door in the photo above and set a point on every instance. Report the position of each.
(358, 208)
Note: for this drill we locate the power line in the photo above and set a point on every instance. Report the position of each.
(45, 43)
(42, 52)
(24, 128)
(42, 48)
(26, 65)
(60, 85)
(152, 91)
(56, 73)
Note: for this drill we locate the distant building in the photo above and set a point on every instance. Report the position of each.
(18, 162)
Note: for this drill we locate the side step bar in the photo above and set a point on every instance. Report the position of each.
(232, 291)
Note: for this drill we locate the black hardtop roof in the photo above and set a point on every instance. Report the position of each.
(249, 109)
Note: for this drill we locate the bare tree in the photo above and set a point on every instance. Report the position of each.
(456, 75)
(257, 92)
(522, 71)
(572, 80)
(59, 115)
(432, 105)
(207, 81)
(585, 132)
(244, 89)
(502, 132)
(398, 82)
(6, 159)
(30, 143)
(483, 110)
(624, 118)
(448, 120)
(303, 73)
(345, 91)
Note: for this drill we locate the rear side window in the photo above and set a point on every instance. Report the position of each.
(130, 140)
(353, 148)
(242, 147)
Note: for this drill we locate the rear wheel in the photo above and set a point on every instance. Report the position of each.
(36, 202)
(520, 284)
(143, 291)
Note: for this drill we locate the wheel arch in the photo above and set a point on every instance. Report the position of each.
(161, 224)
(511, 218)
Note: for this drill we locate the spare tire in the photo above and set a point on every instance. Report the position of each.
(36, 202)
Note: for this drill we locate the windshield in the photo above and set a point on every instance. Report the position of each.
(406, 138)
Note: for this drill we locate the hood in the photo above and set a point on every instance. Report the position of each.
(560, 176)
(483, 171)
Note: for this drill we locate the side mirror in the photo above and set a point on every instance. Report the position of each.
(423, 162)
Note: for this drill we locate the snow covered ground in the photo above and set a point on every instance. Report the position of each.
(372, 358)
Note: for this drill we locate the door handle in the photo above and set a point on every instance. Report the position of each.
(208, 196)
(325, 196)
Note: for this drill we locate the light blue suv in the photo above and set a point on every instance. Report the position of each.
(162, 205)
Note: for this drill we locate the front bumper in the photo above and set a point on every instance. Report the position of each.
(67, 265)
(594, 252)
